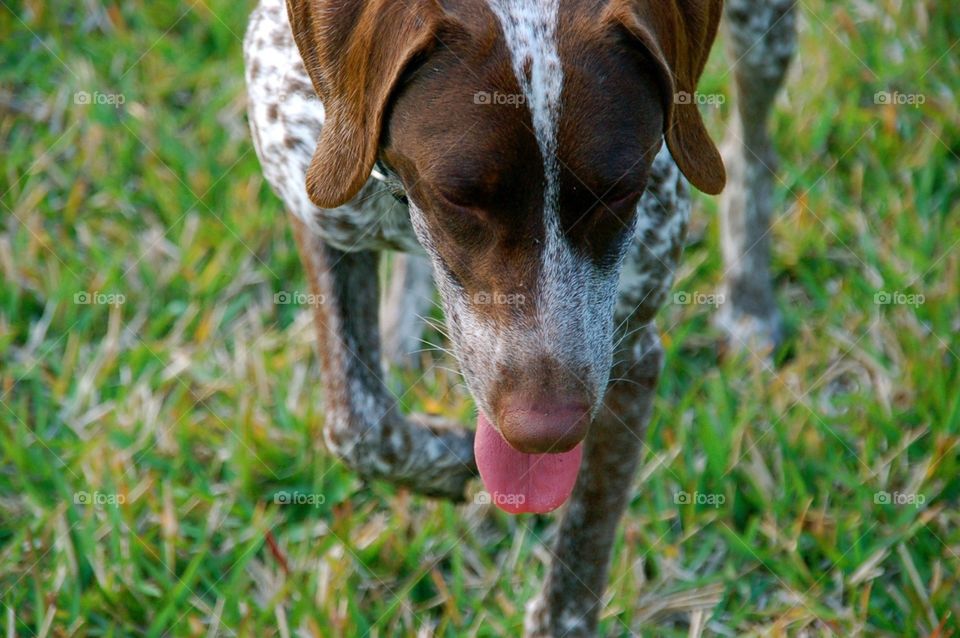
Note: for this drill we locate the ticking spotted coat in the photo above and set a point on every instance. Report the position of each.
(338, 245)
(285, 118)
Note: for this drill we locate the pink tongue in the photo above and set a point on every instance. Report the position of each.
(519, 483)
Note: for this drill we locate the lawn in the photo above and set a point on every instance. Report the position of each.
(162, 470)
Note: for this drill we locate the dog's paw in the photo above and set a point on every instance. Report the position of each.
(443, 454)
(747, 333)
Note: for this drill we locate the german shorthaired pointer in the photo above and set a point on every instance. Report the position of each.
(538, 152)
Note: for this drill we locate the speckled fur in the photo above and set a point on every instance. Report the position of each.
(285, 118)
(763, 42)
(365, 427)
(653, 256)
(575, 298)
(571, 600)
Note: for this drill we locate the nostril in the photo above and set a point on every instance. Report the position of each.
(544, 428)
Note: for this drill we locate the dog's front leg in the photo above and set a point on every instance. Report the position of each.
(571, 601)
(569, 605)
(364, 424)
(408, 298)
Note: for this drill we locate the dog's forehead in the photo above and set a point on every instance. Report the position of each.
(545, 110)
(550, 68)
(522, 39)
(574, 77)
(530, 33)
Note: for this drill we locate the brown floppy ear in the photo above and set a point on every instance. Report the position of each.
(678, 34)
(355, 51)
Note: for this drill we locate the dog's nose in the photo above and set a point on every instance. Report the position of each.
(544, 427)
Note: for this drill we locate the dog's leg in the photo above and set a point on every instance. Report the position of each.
(762, 41)
(570, 603)
(364, 424)
(408, 298)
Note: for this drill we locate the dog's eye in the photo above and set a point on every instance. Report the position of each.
(623, 200)
(611, 214)
(474, 197)
(609, 188)
(462, 208)
(476, 185)
(457, 199)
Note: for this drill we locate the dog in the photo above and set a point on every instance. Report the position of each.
(538, 152)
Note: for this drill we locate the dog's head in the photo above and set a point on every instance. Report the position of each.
(523, 132)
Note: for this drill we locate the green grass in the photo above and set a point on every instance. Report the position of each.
(196, 400)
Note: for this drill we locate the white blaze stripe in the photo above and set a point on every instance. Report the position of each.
(530, 30)
(573, 323)
(574, 307)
